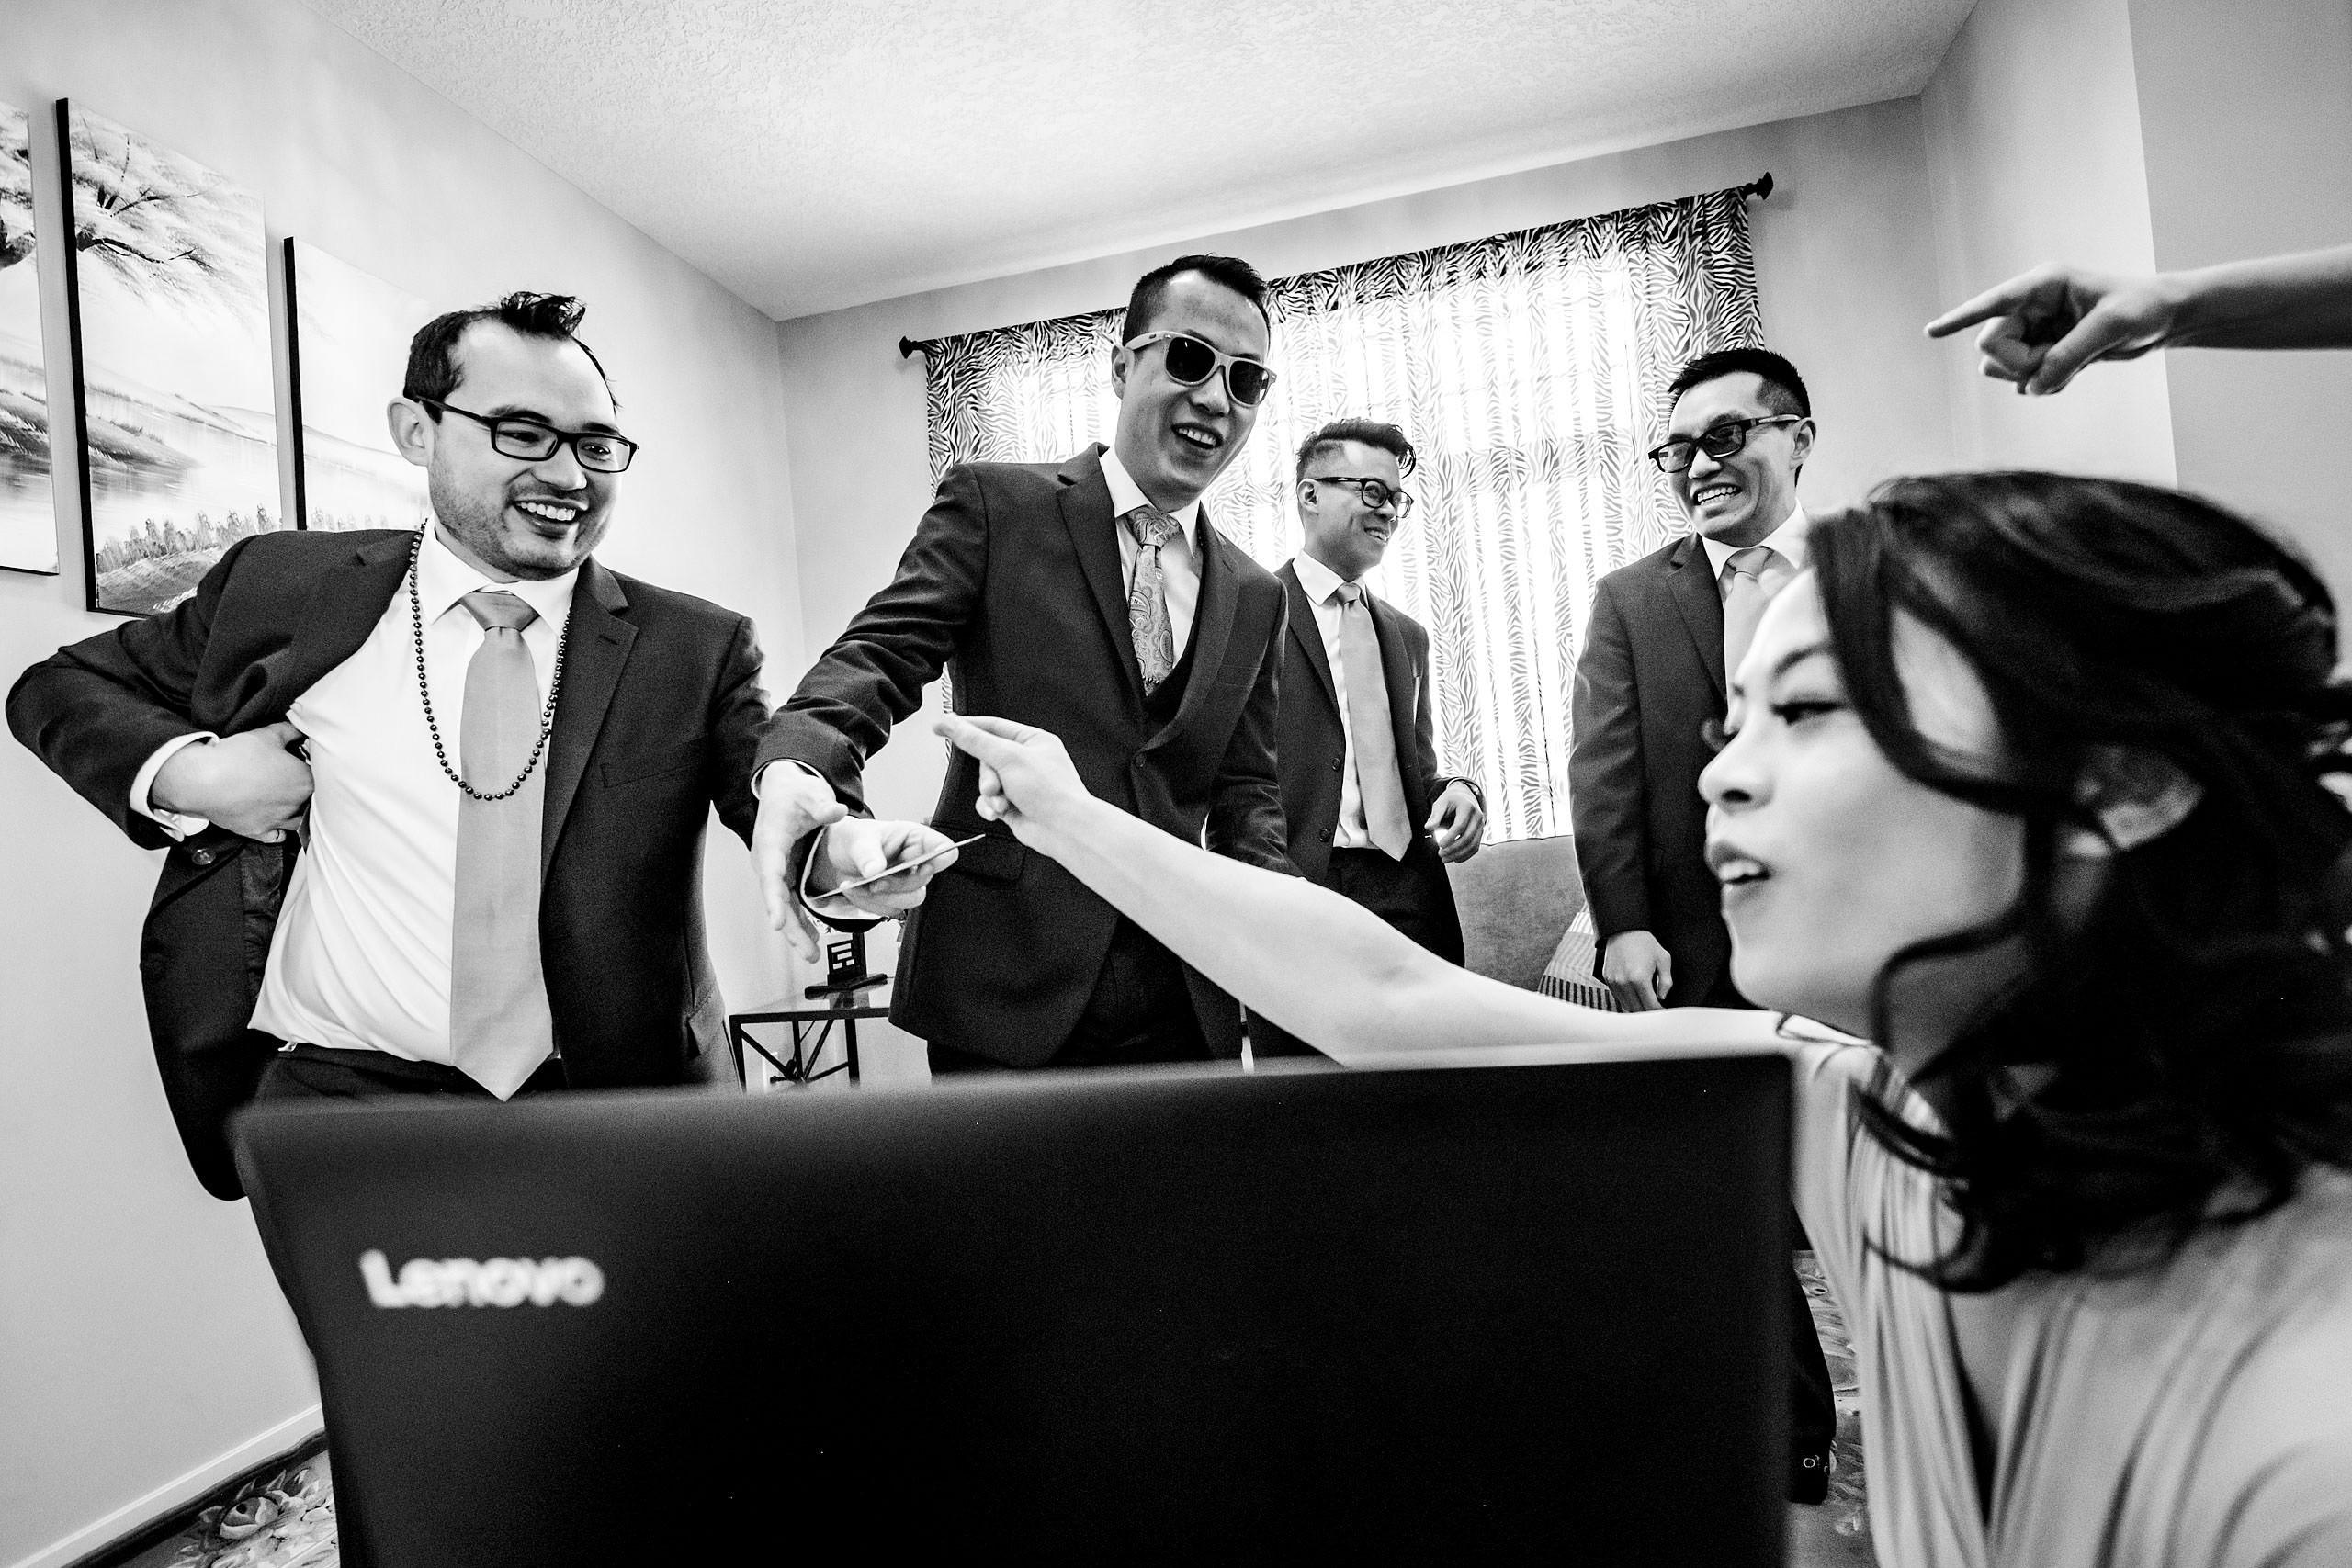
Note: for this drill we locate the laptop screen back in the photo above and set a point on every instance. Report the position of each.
(1438, 1313)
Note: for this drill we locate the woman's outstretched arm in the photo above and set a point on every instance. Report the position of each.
(1322, 968)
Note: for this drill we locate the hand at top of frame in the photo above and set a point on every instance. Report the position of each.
(1457, 823)
(1026, 779)
(250, 783)
(2043, 327)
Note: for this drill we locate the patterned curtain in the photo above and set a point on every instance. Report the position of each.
(1528, 370)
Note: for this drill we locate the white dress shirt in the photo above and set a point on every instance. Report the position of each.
(1787, 541)
(361, 956)
(1179, 560)
(1323, 585)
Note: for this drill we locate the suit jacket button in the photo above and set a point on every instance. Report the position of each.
(1327, 835)
(204, 857)
(1334, 764)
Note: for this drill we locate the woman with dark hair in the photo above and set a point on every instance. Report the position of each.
(2028, 782)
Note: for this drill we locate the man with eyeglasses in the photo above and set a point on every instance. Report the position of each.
(434, 800)
(1649, 688)
(1370, 815)
(1096, 599)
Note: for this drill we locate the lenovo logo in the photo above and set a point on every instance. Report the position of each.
(498, 1281)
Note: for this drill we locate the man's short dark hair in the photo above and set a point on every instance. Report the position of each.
(1371, 432)
(1783, 391)
(433, 371)
(1151, 289)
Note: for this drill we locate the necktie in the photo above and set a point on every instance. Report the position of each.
(1750, 577)
(1148, 623)
(1368, 725)
(499, 1027)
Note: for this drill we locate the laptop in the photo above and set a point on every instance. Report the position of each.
(1433, 1313)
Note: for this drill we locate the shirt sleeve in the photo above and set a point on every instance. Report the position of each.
(178, 824)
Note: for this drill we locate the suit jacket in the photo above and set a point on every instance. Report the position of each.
(1012, 583)
(657, 721)
(1650, 677)
(1311, 747)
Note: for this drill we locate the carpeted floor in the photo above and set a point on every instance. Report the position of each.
(1837, 1534)
(284, 1520)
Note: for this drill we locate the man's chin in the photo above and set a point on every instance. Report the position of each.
(535, 555)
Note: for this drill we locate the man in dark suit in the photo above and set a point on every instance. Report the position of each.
(1649, 688)
(433, 801)
(1096, 599)
(1370, 815)
(1650, 680)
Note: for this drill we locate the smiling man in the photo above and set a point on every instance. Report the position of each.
(1662, 633)
(1096, 599)
(1370, 815)
(1649, 684)
(434, 800)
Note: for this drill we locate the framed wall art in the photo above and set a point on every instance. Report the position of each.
(168, 305)
(28, 499)
(349, 349)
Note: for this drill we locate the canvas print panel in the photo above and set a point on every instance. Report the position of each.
(179, 450)
(27, 506)
(351, 338)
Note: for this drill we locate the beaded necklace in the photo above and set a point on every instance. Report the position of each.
(547, 715)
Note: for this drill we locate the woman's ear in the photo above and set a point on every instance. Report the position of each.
(2137, 796)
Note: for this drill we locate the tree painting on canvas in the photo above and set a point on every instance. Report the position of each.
(350, 354)
(167, 278)
(27, 512)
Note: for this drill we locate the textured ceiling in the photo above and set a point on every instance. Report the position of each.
(816, 154)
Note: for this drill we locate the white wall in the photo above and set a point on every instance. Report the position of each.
(2034, 154)
(142, 1343)
(1844, 265)
(2247, 113)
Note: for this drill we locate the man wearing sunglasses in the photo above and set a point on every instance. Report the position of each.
(1093, 598)
(1370, 815)
(434, 800)
(1649, 687)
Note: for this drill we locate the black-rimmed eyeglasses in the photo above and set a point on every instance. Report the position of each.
(1723, 441)
(598, 450)
(1375, 493)
(1191, 362)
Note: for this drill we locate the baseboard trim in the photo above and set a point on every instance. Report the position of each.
(178, 1494)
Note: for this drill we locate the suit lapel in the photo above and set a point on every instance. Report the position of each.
(1211, 625)
(1307, 632)
(1086, 513)
(344, 607)
(1693, 587)
(596, 645)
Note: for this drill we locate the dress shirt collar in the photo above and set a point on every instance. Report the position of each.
(1787, 541)
(1127, 495)
(442, 580)
(1320, 581)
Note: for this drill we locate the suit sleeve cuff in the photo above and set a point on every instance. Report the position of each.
(178, 824)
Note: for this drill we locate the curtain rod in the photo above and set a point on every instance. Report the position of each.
(1759, 188)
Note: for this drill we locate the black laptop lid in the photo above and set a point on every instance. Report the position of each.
(1436, 1314)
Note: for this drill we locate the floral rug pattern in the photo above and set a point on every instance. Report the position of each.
(285, 1520)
